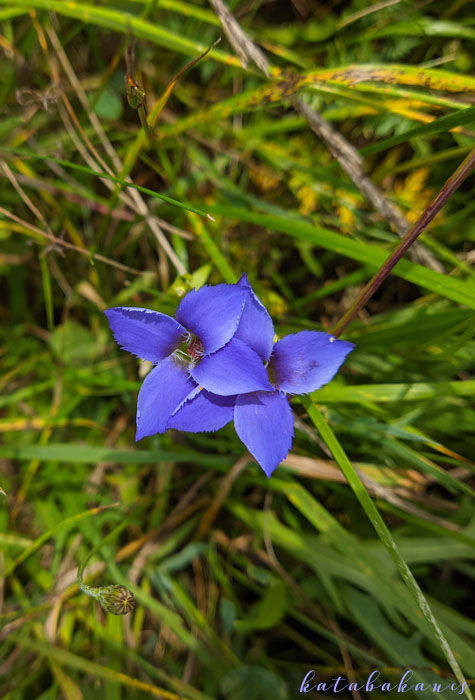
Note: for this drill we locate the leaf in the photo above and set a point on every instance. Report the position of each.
(74, 344)
(267, 612)
(200, 276)
(227, 613)
(109, 105)
(182, 559)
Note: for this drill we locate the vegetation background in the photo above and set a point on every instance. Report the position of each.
(358, 553)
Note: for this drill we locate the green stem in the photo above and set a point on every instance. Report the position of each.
(145, 125)
(116, 599)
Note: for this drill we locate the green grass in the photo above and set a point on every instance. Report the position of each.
(358, 554)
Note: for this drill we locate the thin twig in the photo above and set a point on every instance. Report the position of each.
(32, 207)
(66, 244)
(139, 203)
(366, 11)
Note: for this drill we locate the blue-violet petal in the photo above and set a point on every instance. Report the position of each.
(263, 421)
(148, 334)
(212, 314)
(204, 412)
(162, 391)
(235, 369)
(305, 361)
(255, 327)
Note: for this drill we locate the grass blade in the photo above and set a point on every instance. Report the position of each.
(383, 533)
(444, 285)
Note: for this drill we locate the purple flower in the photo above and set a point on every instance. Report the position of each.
(201, 349)
(218, 362)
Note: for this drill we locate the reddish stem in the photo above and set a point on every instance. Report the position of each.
(452, 184)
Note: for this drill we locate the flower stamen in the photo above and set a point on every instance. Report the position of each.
(195, 349)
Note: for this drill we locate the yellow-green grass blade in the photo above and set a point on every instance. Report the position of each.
(391, 393)
(277, 91)
(10, 12)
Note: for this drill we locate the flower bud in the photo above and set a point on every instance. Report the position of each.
(115, 599)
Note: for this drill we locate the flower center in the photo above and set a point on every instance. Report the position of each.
(195, 348)
(190, 351)
(271, 373)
